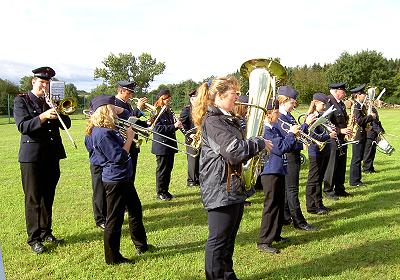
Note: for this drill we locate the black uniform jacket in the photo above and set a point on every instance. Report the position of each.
(39, 141)
(376, 127)
(339, 117)
(187, 122)
(165, 126)
(223, 143)
(362, 119)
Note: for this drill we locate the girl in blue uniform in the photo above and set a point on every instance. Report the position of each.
(318, 159)
(273, 180)
(113, 154)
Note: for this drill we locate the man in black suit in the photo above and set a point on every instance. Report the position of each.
(362, 119)
(40, 152)
(187, 123)
(336, 170)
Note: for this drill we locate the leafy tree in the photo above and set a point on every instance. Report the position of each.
(7, 90)
(25, 84)
(142, 70)
(365, 67)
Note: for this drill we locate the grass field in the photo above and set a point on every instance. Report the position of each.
(360, 239)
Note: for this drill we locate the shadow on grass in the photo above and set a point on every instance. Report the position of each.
(367, 255)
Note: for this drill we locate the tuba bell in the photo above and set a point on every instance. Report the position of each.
(264, 75)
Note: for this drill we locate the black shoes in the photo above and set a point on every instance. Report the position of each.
(52, 239)
(193, 184)
(38, 247)
(163, 196)
(319, 211)
(358, 184)
(282, 239)
(119, 260)
(344, 194)
(267, 248)
(306, 227)
(144, 249)
(369, 171)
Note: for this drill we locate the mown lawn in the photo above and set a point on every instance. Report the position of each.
(360, 239)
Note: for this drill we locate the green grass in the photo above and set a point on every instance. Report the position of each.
(360, 239)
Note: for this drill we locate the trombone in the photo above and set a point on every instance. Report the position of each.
(144, 132)
(65, 106)
(303, 137)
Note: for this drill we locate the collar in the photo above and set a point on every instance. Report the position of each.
(282, 110)
(120, 99)
(225, 112)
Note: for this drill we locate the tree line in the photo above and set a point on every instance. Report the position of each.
(364, 67)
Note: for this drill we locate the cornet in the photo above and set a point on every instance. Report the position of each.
(303, 137)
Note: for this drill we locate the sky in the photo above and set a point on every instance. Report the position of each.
(195, 39)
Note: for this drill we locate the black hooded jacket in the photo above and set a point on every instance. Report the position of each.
(223, 151)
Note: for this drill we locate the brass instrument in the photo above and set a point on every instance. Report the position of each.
(303, 137)
(53, 104)
(145, 132)
(147, 107)
(352, 124)
(264, 75)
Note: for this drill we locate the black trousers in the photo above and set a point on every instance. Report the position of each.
(165, 163)
(99, 195)
(292, 203)
(39, 181)
(336, 170)
(134, 158)
(122, 195)
(356, 159)
(272, 214)
(193, 168)
(316, 172)
(223, 225)
(369, 155)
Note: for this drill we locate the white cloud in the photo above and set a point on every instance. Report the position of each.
(195, 39)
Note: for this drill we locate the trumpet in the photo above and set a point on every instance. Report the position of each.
(303, 137)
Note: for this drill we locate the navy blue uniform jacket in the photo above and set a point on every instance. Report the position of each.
(39, 141)
(164, 126)
(116, 162)
(276, 162)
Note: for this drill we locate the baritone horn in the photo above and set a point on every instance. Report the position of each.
(263, 75)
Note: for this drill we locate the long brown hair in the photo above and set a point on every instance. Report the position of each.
(206, 95)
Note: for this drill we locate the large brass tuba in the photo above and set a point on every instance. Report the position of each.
(264, 75)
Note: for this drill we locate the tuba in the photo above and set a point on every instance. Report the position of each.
(264, 75)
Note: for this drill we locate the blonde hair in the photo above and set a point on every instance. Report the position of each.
(313, 107)
(206, 95)
(283, 99)
(104, 116)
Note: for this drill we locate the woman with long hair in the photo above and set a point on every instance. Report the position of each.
(113, 155)
(223, 150)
